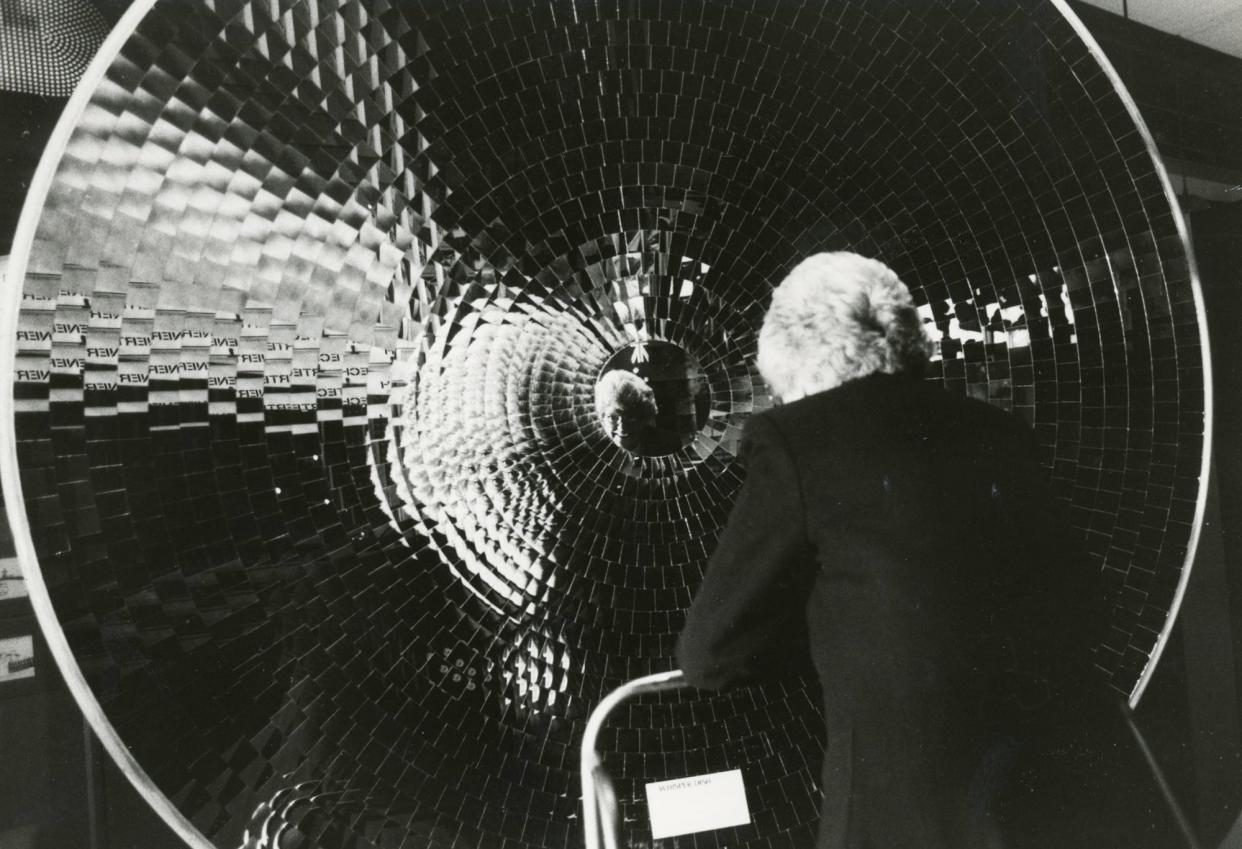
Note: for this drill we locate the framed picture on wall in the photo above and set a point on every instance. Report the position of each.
(17, 660)
(23, 658)
(12, 582)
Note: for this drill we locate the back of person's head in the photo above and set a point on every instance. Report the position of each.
(837, 317)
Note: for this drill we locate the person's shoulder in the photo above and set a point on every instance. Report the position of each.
(887, 401)
(991, 425)
(862, 397)
(996, 415)
(766, 425)
(829, 416)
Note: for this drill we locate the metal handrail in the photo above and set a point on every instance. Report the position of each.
(599, 802)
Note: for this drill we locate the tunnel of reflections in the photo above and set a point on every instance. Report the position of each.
(304, 360)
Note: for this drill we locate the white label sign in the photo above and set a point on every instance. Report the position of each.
(697, 803)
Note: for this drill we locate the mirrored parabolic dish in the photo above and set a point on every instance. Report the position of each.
(309, 305)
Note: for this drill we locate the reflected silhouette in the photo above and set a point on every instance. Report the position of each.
(652, 398)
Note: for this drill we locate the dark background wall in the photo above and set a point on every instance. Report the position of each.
(1191, 98)
(1189, 95)
(28, 119)
(1192, 709)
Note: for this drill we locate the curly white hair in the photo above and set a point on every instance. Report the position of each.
(836, 317)
(626, 389)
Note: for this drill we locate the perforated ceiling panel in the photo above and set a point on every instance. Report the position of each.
(45, 45)
(304, 356)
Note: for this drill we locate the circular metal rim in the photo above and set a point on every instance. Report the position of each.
(1196, 289)
(10, 479)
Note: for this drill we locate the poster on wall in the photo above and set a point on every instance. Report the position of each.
(12, 583)
(17, 659)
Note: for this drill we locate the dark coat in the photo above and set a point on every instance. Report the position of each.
(906, 538)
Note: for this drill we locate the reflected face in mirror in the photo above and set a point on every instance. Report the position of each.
(626, 406)
(652, 398)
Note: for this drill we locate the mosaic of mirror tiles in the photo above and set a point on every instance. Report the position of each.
(311, 328)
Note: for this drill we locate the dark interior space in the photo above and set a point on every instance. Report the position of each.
(1194, 700)
(30, 119)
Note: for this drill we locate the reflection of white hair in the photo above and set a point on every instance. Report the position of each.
(621, 388)
(836, 317)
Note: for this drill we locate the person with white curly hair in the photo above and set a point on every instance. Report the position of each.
(899, 541)
(626, 405)
(835, 318)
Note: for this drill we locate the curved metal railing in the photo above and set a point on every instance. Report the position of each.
(599, 801)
